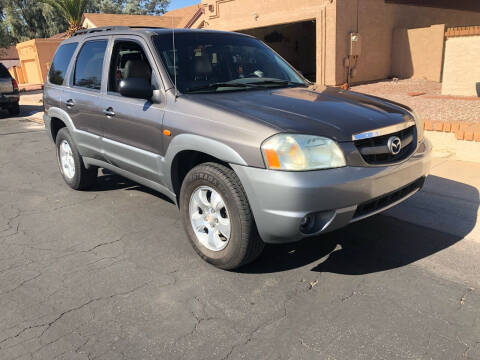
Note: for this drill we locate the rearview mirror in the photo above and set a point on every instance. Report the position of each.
(138, 88)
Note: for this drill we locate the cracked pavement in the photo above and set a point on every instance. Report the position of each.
(109, 274)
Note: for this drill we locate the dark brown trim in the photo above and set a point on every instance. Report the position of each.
(195, 17)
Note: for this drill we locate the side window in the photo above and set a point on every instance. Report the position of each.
(88, 68)
(60, 63)
(129, 61)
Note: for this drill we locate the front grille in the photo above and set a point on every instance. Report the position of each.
(375, 151)
(382, 202)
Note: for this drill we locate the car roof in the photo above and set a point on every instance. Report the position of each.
(146, 31)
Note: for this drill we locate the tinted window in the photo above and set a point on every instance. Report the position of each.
(60, 63)
(88, 69)
(129, 61)
(3, 71)
(205, 59)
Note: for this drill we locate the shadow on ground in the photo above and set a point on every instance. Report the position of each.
(108, 181)
(375, 244)
(25, 110)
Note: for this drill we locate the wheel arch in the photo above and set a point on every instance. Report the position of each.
(187, 151)
(58, 119)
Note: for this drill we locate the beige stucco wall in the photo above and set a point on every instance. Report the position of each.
(418, 53)
(87, 24)
(237, 15)
(376, 22)
(335, 20)
(46, 50)
(461, 74)
(35, 57)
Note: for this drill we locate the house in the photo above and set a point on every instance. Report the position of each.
(35, 56)
(337, 41)
(179, 18)
(331, 42)
(9, 57)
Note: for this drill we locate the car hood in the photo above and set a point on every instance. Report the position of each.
(316, 110)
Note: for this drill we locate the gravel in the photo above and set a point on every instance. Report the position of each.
(429, 106)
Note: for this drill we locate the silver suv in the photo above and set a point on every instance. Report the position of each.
(249, 150)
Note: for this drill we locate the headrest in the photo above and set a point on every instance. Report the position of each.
(202, 65)
(137, 69)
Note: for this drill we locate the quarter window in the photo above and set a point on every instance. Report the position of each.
(88, 69)
(60, 63)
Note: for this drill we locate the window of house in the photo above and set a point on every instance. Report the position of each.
(129, 61)
(60, 63)
(89, 65)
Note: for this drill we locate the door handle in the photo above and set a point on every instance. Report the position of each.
(109, 112)
(69, 103)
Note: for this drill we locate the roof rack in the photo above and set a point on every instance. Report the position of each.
(112, 28)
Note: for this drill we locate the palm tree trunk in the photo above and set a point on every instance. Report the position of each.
(73, 28)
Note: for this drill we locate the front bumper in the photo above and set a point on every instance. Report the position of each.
(331, 199)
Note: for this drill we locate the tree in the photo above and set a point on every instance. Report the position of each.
(152, 7)
(72, 11)
(23, 20)
(132, 7)
(4, 35)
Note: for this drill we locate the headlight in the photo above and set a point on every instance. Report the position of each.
(301, 152)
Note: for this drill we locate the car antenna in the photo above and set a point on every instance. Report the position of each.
(174, 61)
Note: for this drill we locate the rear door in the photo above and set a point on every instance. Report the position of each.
(133, 127)
(81, 100)
(6, 86)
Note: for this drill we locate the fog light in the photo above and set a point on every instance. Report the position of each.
(307, 223)
(316, 222)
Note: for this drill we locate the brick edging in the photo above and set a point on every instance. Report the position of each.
(463, 130)
(462, 31)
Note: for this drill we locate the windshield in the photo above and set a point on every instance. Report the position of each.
(214, 62)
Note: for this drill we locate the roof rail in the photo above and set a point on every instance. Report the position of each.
(99, 29)
(147, 27)
(112, 28)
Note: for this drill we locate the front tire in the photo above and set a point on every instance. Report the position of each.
(217, 217)
(71, 164)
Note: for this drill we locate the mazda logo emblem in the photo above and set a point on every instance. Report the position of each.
(394, 145)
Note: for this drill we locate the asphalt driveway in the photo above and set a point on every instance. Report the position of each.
(109, 274)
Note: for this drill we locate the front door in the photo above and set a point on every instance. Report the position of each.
(132, 138)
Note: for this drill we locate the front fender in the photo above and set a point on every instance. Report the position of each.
(214, 148)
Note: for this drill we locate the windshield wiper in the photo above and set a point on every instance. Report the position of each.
(215, 86)
(276, 82)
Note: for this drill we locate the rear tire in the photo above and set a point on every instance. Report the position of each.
(243, 245)
(71, 164)
(14, 109)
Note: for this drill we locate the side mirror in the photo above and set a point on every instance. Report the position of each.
(138, 88)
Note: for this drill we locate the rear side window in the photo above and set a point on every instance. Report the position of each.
(3, 71)
(89, 66)
(60, 63)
